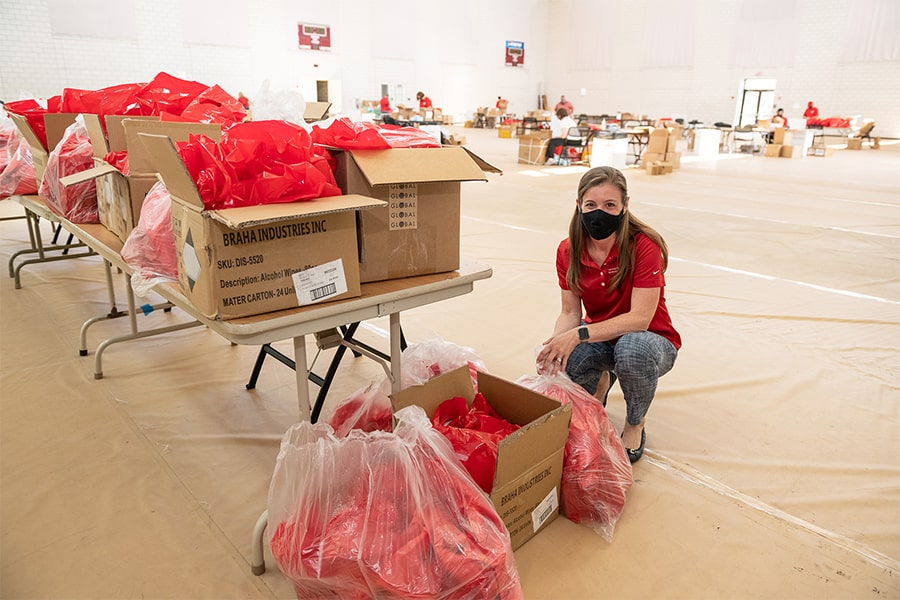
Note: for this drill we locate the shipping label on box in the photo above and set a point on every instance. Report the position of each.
(529, 462)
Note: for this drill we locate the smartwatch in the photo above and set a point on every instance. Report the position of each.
(583, 334)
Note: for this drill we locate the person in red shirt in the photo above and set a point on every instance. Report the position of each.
(385, 104)
(811, 111)
(614, 324)
(424, 101)
(563, 103)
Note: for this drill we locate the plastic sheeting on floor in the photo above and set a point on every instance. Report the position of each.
(772, 465)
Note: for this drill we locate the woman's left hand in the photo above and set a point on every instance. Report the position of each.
(553, 356)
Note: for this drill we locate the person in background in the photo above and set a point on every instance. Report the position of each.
(385, 104)
(245, 102)
(563, 103)
(501, 103)
(614, 324)
(811, 111)
(778, 120)
(560, 124)
(424, 101)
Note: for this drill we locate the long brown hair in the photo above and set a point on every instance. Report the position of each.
(630, 227)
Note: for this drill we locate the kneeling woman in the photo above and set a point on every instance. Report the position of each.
(614, 323)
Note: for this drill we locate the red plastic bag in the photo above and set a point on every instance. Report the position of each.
(214, 105)
(34, 116)
(119, 160)
(17, 177)
(73, 154)
(385, 515)
(596, 471)
(258, 162)
(113, 100)
(475, 433)
(150, 247)
(348, 135)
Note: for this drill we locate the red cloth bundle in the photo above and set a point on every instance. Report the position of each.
(475, 434)
(837, 122)
(17, 177)
(385, 515)
(596, 471)
(347, 135)
(119, 160)
(77, 202)
(258, 162)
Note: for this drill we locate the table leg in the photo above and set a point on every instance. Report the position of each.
(396, 338)
(301, 373)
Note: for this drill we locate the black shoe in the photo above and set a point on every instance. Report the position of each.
(612, 381)
(635, 455)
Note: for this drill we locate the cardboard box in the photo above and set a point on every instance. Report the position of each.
(120, 197)
(239, 262)
(55, 125)
(658, 141)
(316, 111)
(773, 150)
(532, 149)
(651, 157)
(416, 232)
(781, 136)
(854, 143)
(457, 139)
(821, 152)
(529, 461)
(654, 167)
(787, 152)
(674, 159)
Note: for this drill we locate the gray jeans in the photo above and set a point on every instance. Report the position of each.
(638, 359)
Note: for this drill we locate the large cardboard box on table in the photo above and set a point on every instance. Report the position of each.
(532, 147)
(417, 231)
(239, 262)
(529, 461)
(120, 197)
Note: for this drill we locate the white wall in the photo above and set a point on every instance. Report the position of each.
(679, 58)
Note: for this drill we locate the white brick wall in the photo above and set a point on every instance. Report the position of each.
(436, 55)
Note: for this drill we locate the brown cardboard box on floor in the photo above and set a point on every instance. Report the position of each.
(416, 231)
(529, 461)
(238, 262)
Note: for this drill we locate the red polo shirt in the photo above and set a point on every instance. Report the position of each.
(600, 303)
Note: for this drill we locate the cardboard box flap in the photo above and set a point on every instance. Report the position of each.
(417, 165)
(56, 125)
(315, 111)
(456, 383)
(251, 216)
(482, 164)
(26, 131)
(171, 169)
(98, 138)
(519, 452)
(139, 160)
(88, 174)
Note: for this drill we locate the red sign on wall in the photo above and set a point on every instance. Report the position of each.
(314, 37)
(515, 53)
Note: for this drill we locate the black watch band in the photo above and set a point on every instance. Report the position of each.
(583, 334)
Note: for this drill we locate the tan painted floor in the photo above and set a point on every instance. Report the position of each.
(772, 468)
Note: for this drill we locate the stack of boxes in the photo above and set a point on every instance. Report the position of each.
(781, 144)
(662, 155)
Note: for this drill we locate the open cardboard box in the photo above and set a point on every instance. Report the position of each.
(529, 461)
(239, 262)
(416, 232)
(120, 197)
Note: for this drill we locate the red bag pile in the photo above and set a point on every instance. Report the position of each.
(363, 135)
(78, 202)
(385, 515)
(596, 471)
(150, 247)
(475, 435)
(258, 162)
(17, 174)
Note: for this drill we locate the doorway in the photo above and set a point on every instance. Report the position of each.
(756, 101)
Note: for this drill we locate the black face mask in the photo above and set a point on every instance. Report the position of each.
(600, 224)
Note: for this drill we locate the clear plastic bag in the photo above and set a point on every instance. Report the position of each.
(596, 471)
(17, 176)
(385, 515)
(73, 154)
(425, 360)
(366, 409)
(150, 247)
